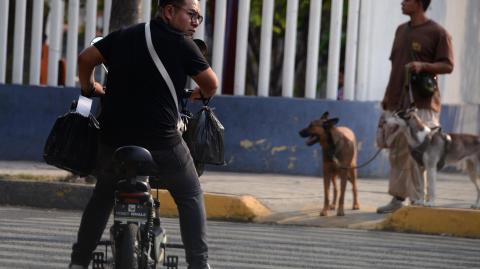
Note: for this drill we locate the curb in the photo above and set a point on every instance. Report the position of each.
(73, 196)
(44, 194)
(219, 206)
(438, 221)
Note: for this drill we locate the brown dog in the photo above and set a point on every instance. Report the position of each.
(339, 158)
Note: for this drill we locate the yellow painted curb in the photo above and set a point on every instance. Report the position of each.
(219, 206)
(447, 221)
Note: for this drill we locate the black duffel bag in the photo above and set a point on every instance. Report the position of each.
(73, 142)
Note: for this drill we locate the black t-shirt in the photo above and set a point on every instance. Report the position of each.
(138, 108)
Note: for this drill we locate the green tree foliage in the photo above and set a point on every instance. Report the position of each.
(279, 24)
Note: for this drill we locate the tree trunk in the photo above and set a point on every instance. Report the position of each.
(124, 13)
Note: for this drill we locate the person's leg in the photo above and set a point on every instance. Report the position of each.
(193, 229)
(416, 183)
(96, 213)
(178, 175)
(399, 158)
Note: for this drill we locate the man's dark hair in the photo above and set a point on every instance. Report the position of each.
(163, 3)
(425, 4)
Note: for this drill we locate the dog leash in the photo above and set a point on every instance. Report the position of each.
(331, 153)
(363, 164)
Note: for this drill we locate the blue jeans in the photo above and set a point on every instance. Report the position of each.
(177, 174)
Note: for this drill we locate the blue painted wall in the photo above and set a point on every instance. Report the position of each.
(261, 134)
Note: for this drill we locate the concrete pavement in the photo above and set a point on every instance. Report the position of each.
(265, 198)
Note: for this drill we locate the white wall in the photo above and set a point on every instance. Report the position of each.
(461, 18)
(378, 22)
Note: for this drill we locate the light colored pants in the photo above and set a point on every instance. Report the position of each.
(406, 175)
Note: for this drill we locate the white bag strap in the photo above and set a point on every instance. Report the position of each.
(160, 66)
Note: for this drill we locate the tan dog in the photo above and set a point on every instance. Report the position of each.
(432, 149)
(339, 158)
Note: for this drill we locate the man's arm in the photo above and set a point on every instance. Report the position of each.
(433, 68)
(87, 60)
(207, 84)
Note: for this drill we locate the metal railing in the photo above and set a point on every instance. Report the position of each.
(55, 29)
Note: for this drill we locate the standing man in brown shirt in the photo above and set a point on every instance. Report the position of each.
(420, 46)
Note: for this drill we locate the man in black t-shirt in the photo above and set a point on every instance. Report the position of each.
(138, 109)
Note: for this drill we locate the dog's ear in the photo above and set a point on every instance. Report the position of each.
(410, 110)
(330, 122)
(324, 115)
(334, 121)
(404, 115)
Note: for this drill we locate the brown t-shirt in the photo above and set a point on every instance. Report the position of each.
(428, 42)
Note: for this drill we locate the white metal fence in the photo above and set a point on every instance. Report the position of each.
(89, 19)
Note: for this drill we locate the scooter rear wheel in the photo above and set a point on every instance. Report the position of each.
(129, 250)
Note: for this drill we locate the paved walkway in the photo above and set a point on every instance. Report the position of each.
(291, 199)
(298, 199)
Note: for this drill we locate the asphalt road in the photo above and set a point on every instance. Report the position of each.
(40, 238)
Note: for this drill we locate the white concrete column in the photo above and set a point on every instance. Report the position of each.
(351, 50)
(146, 10)
(265, 48)
(288, 72)
(242, 46)
(60, 27)
(72, 42)
(107, 10)
(314, 26)
(19, 41)
(363, 50)
(200, 32)
(90, 22)
(334, 49)
(54, 37)
(219, 40)
(36, 45)
(3, 38)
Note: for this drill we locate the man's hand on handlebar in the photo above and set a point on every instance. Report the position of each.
(95, 89)
(197, 94)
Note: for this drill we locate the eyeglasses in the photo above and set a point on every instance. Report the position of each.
(194, 16)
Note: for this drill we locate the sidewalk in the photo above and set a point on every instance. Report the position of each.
(286, 199)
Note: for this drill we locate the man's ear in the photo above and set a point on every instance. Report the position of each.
(169, 12)
(324, 115)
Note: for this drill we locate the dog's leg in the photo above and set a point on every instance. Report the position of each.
(326, 190)
(417, 180)
(472, 173)
(431, 187)
(335, 193)
(353, 179)
(343, 186)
